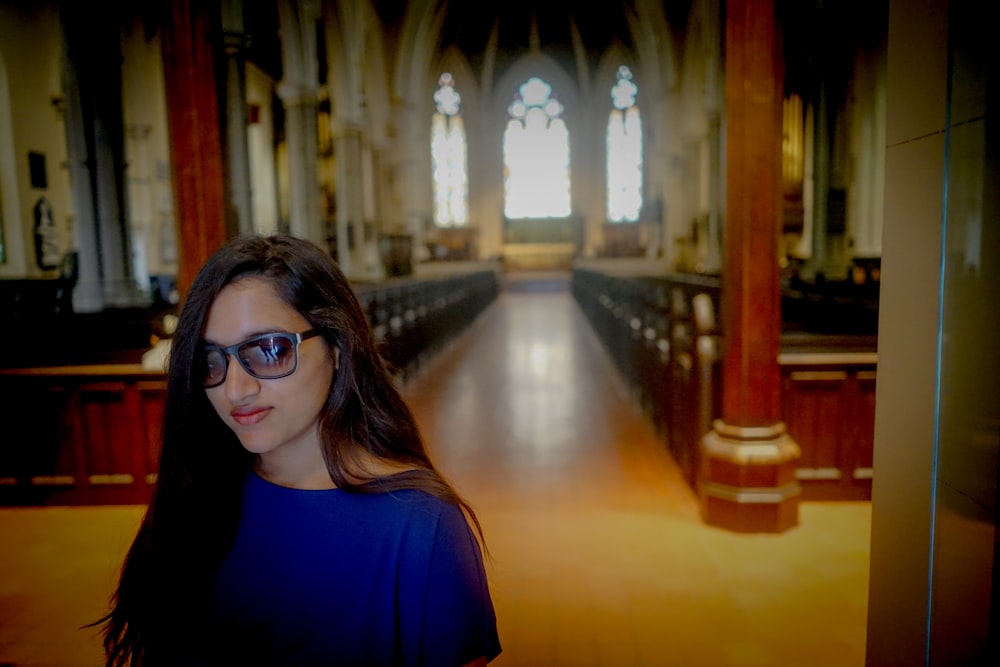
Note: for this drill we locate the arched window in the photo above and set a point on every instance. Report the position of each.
(449, 162)
(624, 140)
(536, 155)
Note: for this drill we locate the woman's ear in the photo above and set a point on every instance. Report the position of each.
(336, 358)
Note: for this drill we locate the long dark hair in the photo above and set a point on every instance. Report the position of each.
(159, 608)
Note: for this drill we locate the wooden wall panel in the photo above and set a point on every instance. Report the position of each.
(815, 413)
(151, 396)
(79, 438)
(863, 442)
(828, 405)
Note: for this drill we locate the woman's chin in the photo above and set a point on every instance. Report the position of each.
(255, 444)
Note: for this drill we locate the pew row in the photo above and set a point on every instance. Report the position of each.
(663, 336)
(89, 433)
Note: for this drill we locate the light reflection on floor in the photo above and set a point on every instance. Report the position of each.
(600, 557)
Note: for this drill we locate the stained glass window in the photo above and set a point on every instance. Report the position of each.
(536, 155)
(624, 142)
(449, 162)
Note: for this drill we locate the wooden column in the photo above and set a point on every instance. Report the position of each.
(748, 461)
(195, 136)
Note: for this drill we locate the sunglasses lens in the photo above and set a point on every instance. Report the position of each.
(269, 357)
(215, 367)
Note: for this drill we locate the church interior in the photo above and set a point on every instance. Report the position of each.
(692, 299)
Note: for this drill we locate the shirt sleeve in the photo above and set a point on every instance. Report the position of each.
(459, 622)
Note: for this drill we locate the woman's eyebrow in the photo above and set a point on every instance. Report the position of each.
(261, 332)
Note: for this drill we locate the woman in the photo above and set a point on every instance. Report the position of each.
(297, 519)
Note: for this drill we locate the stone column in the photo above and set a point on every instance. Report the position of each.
(237, 147)
(714, 108)
(299, 91)
(114, 239)
(140, 195)
(88, 295)
(713, 257)
(747, 479)
(97, 151)
(412, 180)
(350, 205)
(821, 184)
(375, 207)
(195, 135)
(304, 215)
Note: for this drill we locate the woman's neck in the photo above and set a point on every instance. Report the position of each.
(308, 477)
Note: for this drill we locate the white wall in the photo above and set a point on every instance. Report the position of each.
(30, 88)
(260, 137)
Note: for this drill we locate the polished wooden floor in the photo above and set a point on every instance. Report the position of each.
(597, 552)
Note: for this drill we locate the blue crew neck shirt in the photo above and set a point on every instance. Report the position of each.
(338, 578)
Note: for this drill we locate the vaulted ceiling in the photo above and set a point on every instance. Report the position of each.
(469, 25)
(814, 32)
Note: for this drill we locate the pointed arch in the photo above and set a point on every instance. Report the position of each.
(656, 51)
(417, 47)
(479, 167)
(544, 67)
(449, 156)
(454, 62)
(536, 153)
(605, 76)
(557, 131)
(623, 160)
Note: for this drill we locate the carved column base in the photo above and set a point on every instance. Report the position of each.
(747, 482)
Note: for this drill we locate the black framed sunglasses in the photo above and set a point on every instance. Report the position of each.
(266, 357)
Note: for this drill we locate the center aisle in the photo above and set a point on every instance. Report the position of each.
(525, 408)
(597, 553)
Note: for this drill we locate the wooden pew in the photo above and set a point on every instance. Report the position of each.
(663, 337)
(88, 433)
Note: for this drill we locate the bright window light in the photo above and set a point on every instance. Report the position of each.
(449, 162)
(536, 155)
(624, 145)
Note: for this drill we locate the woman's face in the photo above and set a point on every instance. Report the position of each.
(277, 418)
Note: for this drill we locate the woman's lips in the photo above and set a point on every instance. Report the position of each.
(249, 416)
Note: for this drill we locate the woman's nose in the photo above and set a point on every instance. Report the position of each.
(239, 383)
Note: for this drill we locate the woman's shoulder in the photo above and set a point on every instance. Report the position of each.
(410, 489)
(419, 512)
(417, 503)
